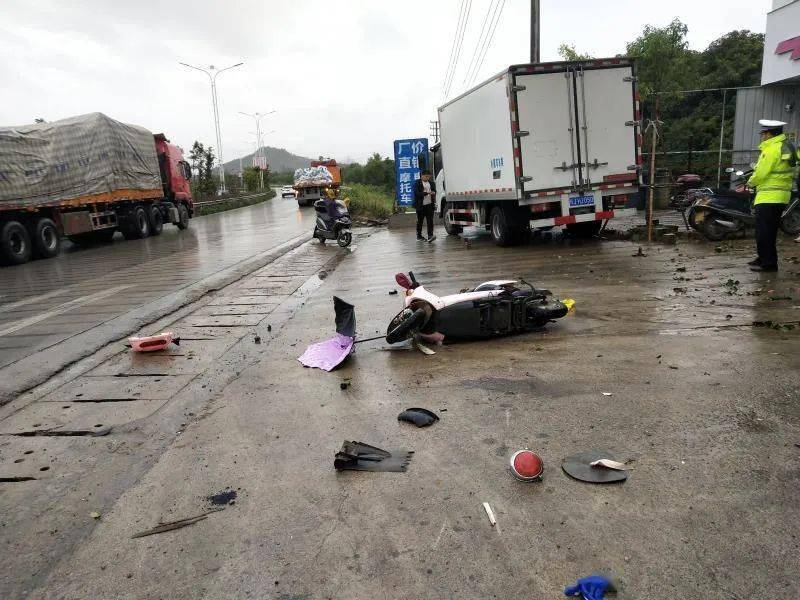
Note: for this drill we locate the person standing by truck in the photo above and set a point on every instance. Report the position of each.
(424, 196)
(772, 179)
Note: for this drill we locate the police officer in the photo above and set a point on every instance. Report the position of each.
(772, 178)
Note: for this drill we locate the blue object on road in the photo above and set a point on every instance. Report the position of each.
(593, 587)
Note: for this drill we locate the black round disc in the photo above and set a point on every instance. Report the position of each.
(578, 467)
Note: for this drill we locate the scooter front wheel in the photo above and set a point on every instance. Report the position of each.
(407, 323)
(344, 239)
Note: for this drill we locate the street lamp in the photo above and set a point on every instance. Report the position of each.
(212, 77)
(259, 143)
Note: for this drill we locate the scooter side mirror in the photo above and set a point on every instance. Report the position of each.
(403, 281)
(729, 170)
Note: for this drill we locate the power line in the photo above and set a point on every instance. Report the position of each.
(458, 48)
(491, 37)
(493, 8)
(478, 43)
(453, 46)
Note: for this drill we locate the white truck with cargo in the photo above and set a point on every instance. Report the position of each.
(538, 146)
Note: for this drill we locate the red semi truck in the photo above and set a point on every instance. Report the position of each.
(84, 178)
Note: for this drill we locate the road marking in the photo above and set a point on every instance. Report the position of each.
(30, 300)
(23, 323)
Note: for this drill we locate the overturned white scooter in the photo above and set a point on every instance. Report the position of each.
(494, 308)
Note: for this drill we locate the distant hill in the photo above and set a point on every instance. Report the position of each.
(278, 159)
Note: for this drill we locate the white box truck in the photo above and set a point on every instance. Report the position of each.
(538, 146)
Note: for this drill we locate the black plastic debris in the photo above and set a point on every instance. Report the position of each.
(257, 339)
(358, 456)
(269, 327)
(579, 467)
(421, 417)
(226, 496)
(344, 384)
(392, 292)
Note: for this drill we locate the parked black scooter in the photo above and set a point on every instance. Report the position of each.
(333, 222)
(725, 212)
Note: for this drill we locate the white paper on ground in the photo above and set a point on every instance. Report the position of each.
(489, 513)
(609, 464)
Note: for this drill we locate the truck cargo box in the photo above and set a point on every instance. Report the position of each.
(542, 145)
(94, 156)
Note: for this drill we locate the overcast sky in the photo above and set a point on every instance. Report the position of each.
(345, 77)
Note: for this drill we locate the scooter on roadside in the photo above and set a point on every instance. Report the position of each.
(492, 309)
(333, 222)
(725, 212)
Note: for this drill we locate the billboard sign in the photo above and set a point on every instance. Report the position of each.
(407, 167)
(260, 162)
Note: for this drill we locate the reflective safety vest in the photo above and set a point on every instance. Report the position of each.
(775, 171)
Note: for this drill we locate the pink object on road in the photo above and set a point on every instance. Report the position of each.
(329, 354)
(152, 343)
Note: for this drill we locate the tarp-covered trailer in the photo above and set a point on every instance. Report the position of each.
(85, 177)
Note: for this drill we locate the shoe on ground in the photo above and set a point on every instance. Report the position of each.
(430, 239)
(420, 238)
(755, 262)
(763, 269)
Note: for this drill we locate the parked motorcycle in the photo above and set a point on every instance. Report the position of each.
(686, 190)
(724, 212)
(333, 222)
(491, 309)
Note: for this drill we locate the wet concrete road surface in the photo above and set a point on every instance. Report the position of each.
(703, 409)
(45, 302)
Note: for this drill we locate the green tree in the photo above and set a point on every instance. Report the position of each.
(568, 52)
(663, 59)
(252, 178)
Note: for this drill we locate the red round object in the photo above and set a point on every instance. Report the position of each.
(526, 465)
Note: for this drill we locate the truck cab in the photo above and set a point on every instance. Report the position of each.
(175, 173)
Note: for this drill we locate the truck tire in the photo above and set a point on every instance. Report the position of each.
(183, 217)
(15, 244)
(584, 230)
(46, 242)
(448, 227)
(156, 219)
(138, 225)
(502, 232)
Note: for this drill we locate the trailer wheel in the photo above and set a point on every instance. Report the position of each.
(501, 231)
(183, 217)
(15, 244)
(156, 219)
(45, 239)
(449, 227)
(585, 230)
(137, 226)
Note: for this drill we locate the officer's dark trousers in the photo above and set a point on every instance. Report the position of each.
(767, 218)
(425, 212)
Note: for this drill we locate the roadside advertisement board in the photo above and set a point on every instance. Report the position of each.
(407, 167)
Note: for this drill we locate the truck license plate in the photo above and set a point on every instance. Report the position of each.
(581, 201)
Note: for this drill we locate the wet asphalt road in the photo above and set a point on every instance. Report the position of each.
(702, 406)
(44, 302)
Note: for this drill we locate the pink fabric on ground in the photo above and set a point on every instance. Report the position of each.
(328, 354)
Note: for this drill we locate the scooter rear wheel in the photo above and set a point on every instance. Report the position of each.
(713, 230)
(790, 222)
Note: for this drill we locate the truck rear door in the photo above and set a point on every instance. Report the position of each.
(547, 123)
(605, 103)
(575, 124)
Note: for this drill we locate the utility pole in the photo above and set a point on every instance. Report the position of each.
(259, 142)
(212, 77)
(535, 41)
